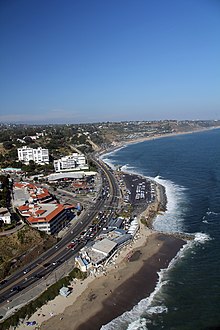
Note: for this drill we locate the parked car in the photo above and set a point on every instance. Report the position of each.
(31, 323)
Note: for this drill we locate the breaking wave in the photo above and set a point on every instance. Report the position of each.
(141, 314)
(173, 219)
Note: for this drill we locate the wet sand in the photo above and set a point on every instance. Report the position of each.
(122, 288)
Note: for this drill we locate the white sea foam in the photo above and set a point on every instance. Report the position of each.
(106, 157)
(134, 319)
(109, 162)
(139, 324)
(202, 237)
(157, 310)
(110, 153)
(173, 219)
(146, 306)
(210, 216)
(129, 169)
(212, 213)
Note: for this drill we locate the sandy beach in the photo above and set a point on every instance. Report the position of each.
(123, 286)
(122, 143)
(97, 300)
(131, 277)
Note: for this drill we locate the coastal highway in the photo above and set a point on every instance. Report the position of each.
(40, 268)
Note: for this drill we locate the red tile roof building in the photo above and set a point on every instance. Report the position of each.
(50, 218)
(38, 213)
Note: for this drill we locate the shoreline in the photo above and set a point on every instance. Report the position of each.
(99, 298)
(125, 143)
(107, 297)
(88, 296)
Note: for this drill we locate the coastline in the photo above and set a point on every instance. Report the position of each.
(96, 296)
(136, 266)
(109, 296)
(124, 143)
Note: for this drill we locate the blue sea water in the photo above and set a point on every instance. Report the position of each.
(187, 296)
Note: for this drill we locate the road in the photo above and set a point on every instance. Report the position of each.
(104, 208)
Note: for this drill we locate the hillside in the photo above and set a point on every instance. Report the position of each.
(21, 248)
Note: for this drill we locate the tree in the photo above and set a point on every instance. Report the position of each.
(8, 145)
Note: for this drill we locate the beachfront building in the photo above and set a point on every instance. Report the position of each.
(38, 155)
(134, 227)
(70, 163)
(82, 263)
(105, 246)
(64, 291)
(49, 218)
(96, 254)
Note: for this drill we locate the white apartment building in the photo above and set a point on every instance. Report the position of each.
(39, 155)
(70, 163)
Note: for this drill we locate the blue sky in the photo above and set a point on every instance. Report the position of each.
(66, 61)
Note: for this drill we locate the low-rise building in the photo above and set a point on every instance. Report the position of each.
(28, 192)
(5, 215)
(105, 246)
(81, 263)
(64, 291)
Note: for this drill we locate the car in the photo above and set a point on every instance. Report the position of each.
(16, 288)
(47, 264)
(25, 271)
(70, 246)
(75, 241)
(30, 323)
(3, 282)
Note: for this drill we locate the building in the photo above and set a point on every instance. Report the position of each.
(70, 163)
(64, 291)
(81, 263)
(5, 216)
(55, 177)
(27, 192)
(13, 170)
(37, 206)
(50, 218)
(105, 246)
(39, 155)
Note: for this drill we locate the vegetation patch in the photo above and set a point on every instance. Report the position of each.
(26, 311)
(21, 248)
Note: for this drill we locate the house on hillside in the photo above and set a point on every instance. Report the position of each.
(5, 215)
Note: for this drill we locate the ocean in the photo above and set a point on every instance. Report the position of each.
(187, 295)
